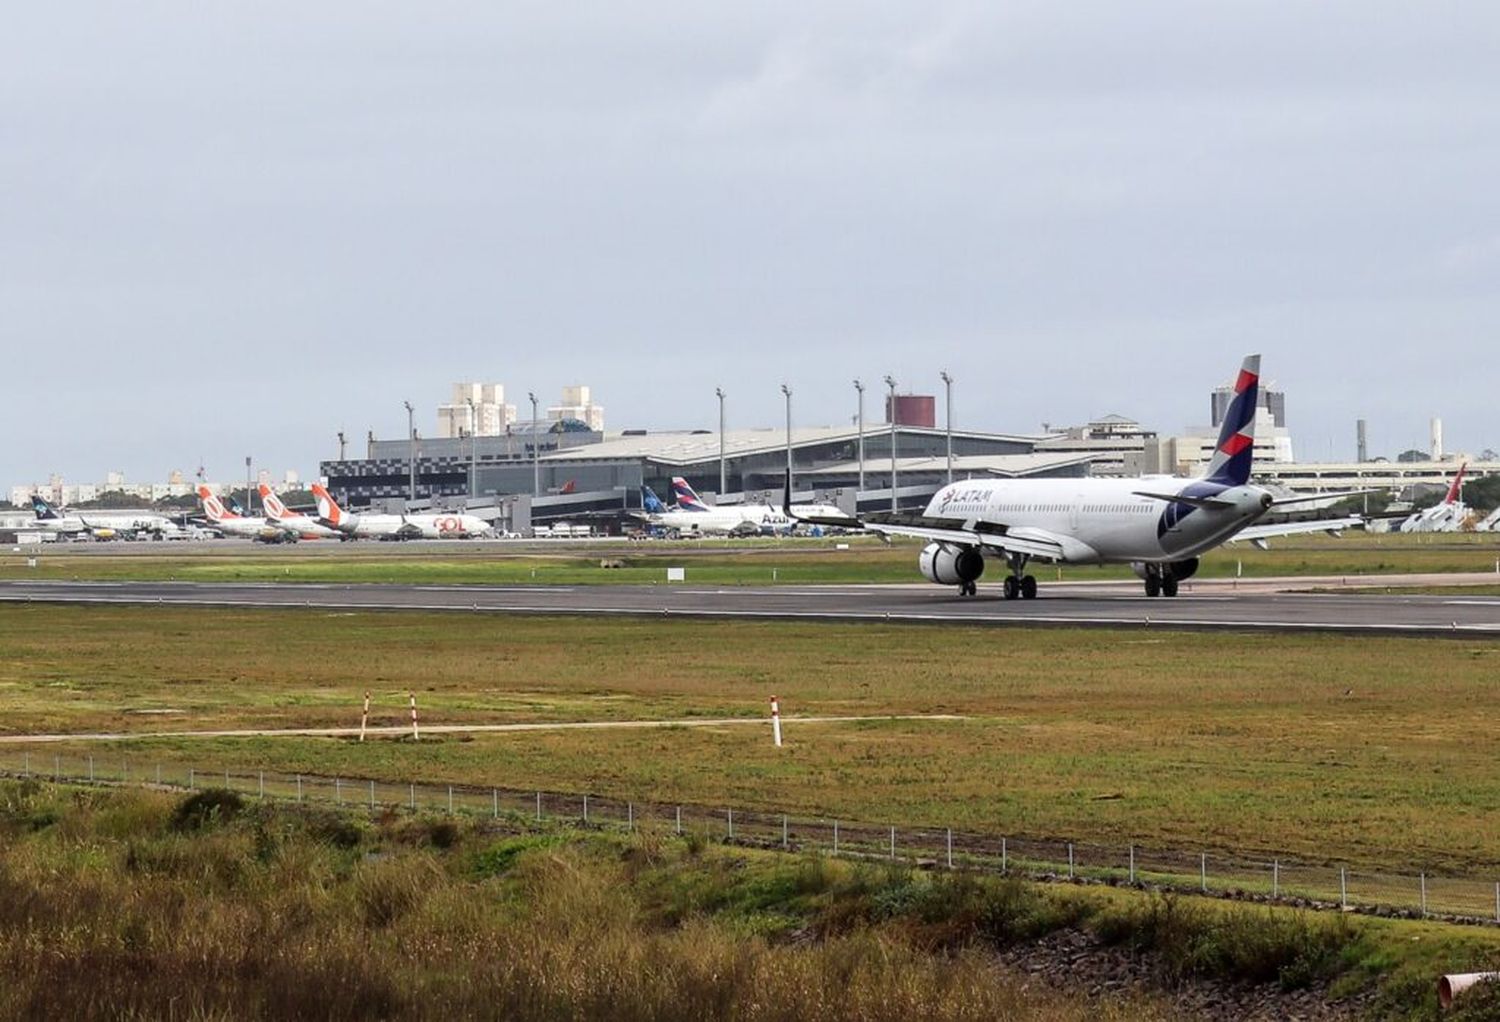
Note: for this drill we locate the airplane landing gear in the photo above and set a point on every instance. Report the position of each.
(968, 589)
(1160, 583)
(1019, 585)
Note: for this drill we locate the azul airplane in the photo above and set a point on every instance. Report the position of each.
(102, 524)
(437, 525)
(1159, 525)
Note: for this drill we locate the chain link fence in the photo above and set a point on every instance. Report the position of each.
(1329, 885)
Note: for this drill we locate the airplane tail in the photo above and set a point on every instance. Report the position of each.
(1230, 465)
(1456, 488)
(213, 507)
(275, 509)
(651, 502)
(686, 498)
(43, 510)
(328, 508)
(234, 506)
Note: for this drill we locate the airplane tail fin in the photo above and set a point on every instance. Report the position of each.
(1235, 450)
(651, 502)
(275, 509)
(1457, 487)
(213, 507)
(685, 496)
(328, 508)
(43, 510)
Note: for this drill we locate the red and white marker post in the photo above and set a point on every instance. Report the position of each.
(364, 717)
(776, 721)
(414, 734)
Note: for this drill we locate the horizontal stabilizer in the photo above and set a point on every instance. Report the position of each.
(1208, 503)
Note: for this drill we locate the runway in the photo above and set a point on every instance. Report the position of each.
(1264, 604)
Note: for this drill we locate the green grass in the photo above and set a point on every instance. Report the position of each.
(1322, 748)
(796, 561)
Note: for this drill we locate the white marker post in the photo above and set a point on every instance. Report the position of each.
(776, 721)
(415, 735)
(364, 717)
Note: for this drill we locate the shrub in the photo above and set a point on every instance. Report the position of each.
(206, 808)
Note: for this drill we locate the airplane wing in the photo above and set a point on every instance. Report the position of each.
(1332, 526)
(1308, 498)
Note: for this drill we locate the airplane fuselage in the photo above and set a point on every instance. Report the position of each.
(1105, 521)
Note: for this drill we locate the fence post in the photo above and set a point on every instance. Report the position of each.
(835, 837)
(1275, 878)
(1497, 902)
(299, 787)
(262, 784)
(585, 809)
(1070, 860)
(1004, 857)
(450, 800)
(91, 769)
(950, 847)
(630, 816)
(338, 791)
(1203, 872)
(679, 821)
(785, 836)
(1343, 887)
(1423, 880)
(190, 777)
(413, 798)
(731, 824)
(538, 806)
(495, 803)
(372, 794)
(1132, 863)
(893, 842)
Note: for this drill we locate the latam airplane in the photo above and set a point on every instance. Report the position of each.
(696, 518)
(438, 525)
(300, 525)
(232, 523)
(1446, 516)
(1159, 525)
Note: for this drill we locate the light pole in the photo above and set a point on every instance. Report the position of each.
(948, 401)
(473, 433)
(249, 495)
(861, 420)
(411, 454)
(536, 465)
(789, 489)
(723, 475)
(890, 381)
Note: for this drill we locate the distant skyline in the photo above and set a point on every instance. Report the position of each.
(231, 230)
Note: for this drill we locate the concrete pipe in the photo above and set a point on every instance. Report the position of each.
(1451, 986)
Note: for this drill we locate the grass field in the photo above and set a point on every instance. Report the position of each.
(1373, 751)
(708, 562)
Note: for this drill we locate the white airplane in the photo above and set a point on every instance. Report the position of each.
(102, 524)
(1445, 516)
(1159, 525)
(232, 524)
(691, 517)
(437, 525)
(300, 525)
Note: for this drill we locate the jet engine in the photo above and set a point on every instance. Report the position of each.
(1177, 569)
(950, 565)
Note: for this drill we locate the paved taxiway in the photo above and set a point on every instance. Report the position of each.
(1260, 605)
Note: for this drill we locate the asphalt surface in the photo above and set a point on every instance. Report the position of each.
(1263, 604)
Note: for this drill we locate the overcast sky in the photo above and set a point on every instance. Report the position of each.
(231, 229)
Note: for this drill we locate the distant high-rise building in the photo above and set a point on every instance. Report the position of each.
(578, 403)
(1437, 439)
(488, 417)
(1361, 446)
(1273, 401)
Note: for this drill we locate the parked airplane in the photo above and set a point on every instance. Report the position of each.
(757, 518)
(302, 526)
(102, 524)
(437, 525)
(1445, 516)
(232, 522)
(700, 520)
(1159, 525)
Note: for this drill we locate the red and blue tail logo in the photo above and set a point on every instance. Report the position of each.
(1230, 465)
(683, 494)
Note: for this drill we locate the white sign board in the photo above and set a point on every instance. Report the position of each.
(676, 574)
